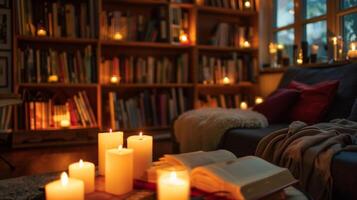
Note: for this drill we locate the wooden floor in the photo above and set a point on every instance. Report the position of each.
(51, 159)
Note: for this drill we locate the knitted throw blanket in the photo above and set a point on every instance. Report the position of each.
(202, 129)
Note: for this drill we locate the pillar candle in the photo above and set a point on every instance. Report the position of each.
(142, 146)
(107, 141)
(173, 185)
(65, 189)
(119, 171)
(84, 171)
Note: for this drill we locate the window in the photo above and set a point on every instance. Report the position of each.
(348, 21)
(348, 3)
(314, 8)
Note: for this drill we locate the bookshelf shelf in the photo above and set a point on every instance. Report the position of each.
(161, 45)
(36, 39)
(182, 5)
(225, 11)
(151, 2)
(52, 130)
(57, 85)
(138, 85)
(222, 86)
(226, 49)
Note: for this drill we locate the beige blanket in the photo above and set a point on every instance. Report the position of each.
(202, 129)
(308, 150)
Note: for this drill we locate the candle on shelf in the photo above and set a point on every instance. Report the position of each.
(65, 123)
(107, 141)
(173, 185)
(65, 189)
(273, 57)
(247, 4)
(335, 48)
(352, 52)
(41, 31)
(142, 146)
(258, 100)
(114, 79)
(243, 105)
(119, 170)
(246, 44)
(314, 50)
(84, 171)
(183, 38)
(53, 79)
(300, 58)
(226, 80)
(117, 36)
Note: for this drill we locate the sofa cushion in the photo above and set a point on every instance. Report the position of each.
(243, 142)
(353, 114)
(277, 105)
(346, 93)
(314, 100)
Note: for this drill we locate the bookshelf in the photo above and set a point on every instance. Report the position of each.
(151, 37)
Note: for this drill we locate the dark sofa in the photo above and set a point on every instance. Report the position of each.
(243, 142)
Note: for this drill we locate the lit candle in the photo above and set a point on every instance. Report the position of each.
(84, 171)
(142, 146)
(247, 4)
(183, 38)
(114, 79)
(65, 123)
(352, 53)
(117, 36)
(246, 44)
(173, 185)
(258, 100)
(243, 105)
(226, 81)
(335, 50)
(300, 60)
(53, 79)
(107, 141)
(41, 32)
(119, 170)
(65, 189)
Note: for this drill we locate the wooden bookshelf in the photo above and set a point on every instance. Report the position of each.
(201, 21)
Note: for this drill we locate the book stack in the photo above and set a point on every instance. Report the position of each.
(179, 23)
(149, 69)
(243, 5)
(147, 109)
(232, 35)
(58, 18)
(43, 112)
(127, 26)
(71, 66)
(222, 100)
(213, 70)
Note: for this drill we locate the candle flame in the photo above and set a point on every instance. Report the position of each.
(173, 176)
(141, 133)
(120, 147)
(280, 46)
(64, 179)
(81, 163)
(247, 4)
(183, 37)
(246, 44)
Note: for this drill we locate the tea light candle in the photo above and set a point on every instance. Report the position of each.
(246, 44)
(119, 170)
(142, 146)
(53, 79)
(226, 81)
(183, 38)
(117, 36)
(114, 79)
(243, 105)
(107, 141)
(173, 185)
(258, 100)
(247, 4)
(65, 123)
(84, 171)
(65, 189)
(352, 53)
(41, 32)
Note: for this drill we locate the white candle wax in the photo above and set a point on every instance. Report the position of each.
(107, 141)
(119, 171)
(173, 187)
(65, 189)
(84, 171)
(142, 146)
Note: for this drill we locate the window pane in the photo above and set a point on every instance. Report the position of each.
(284, 12)
(315, 33)
(286, 37)
(314, 8)
(348, 3)
(349, 28)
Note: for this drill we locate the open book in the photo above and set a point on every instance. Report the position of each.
(248, 177)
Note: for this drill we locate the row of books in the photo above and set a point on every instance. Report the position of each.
(5, 117)
(232, 35)
(58, 19)
(127, 26)
(147, 109)
(132, 69)
(71, 66)
(214, 70)
(233, 4)
(179, 21)
(222, 101)
(43, 112)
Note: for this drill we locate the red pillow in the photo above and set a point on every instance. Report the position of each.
(277, 105)
(314, 100)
